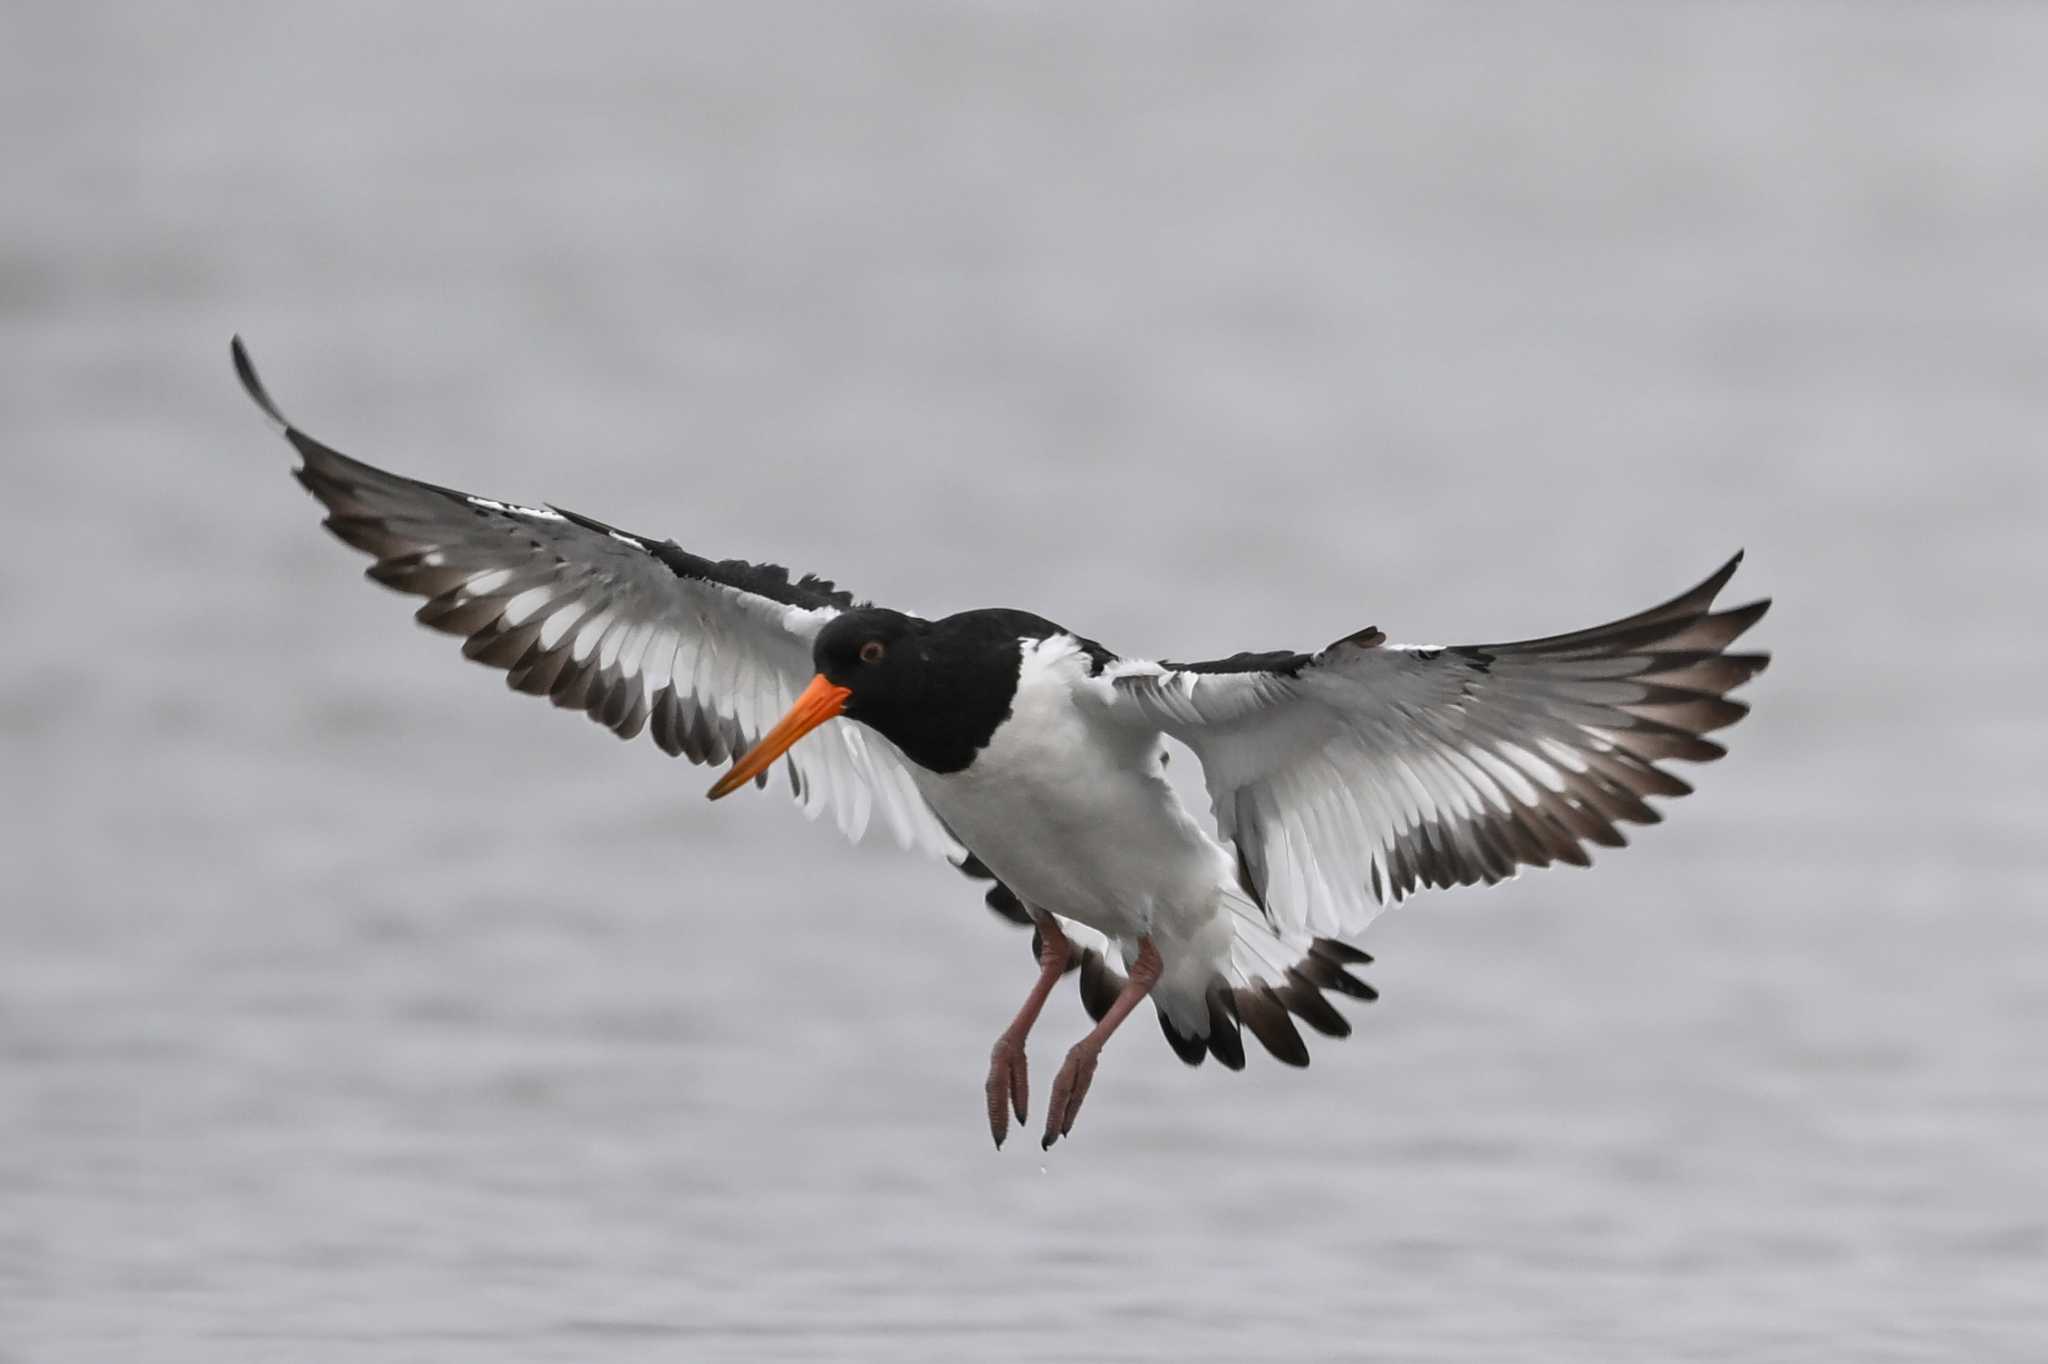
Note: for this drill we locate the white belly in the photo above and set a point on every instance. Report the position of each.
(1076, 816)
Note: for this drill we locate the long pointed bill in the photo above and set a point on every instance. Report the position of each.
(819, 703)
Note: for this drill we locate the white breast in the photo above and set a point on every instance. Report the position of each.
(1077, 816)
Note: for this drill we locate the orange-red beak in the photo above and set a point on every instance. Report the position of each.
(819, 703)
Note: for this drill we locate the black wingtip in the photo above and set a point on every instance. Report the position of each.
(245, 370)
(1711, 588)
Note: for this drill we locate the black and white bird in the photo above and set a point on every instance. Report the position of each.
(1341, 780)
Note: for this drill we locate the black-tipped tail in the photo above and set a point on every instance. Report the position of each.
(1269, 1009)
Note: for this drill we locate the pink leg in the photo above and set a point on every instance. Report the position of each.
(1078, 1072)
(1007, 1084)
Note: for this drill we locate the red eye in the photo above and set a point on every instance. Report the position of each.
(872, 651)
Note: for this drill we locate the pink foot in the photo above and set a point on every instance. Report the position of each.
(1071, 1086)
(1007, 1085)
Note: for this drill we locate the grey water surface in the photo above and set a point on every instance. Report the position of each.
(354, 1008)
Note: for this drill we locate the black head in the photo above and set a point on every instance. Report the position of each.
(935, 689)
(878, 655)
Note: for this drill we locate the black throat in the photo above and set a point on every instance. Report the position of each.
(966, 680)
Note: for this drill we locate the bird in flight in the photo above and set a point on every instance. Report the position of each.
(1341, 780)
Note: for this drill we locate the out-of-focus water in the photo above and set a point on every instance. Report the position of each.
(351, 1007)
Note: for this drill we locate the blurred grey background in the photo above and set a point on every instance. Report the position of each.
(353, 1008)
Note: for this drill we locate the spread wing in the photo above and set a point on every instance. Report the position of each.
(1349, 777)
(636, 633)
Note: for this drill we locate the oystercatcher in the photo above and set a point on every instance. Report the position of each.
(1342, 780)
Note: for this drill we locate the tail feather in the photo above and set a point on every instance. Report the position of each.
(1226, 1042)
(1260, 1009)
(1269, 982)
(1187, 1046)
(1306, 1002)
(1265, 1006)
